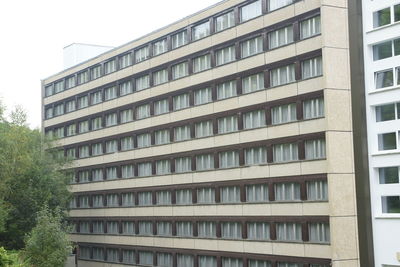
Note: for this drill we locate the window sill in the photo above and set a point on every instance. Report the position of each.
(386, 89)
(386, 152)
(384, 27)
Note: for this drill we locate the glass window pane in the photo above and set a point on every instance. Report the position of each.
(387, 141)
(396, 44)
(385, 112)
(389, 175)
(383, 50)
(224, 21)
(382, 17)
(250, 11)
(397, 12)
(391, 204)
(383, 79)
(201, 31)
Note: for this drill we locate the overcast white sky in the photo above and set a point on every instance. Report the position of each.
(33, 34)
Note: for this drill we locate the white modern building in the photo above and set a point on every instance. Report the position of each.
(381, 26)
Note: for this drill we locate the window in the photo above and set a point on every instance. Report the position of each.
(319, 232)
(128, 199)
(111, 173)
(164, 259)
(164, 228)
(179, 39)
(128, 256)
(231, 230)
(71, 153)
(207, 229)
(98, 202)
(226, 90)
(163, 167)
(204, 162)
(258, 231)
(391, 204)
(183, 196)
(255, 156)
(127, 171)
(287, 191)
(84, 227)
(180, 70)
(387, 112)
(83, 152)
(84, 201)
(284, 114)
(288, 264)
(70, 106)
(259, 263)
(112, 255)
(111, 146)
(58, 87)
(126, 143)
(184, 229)
(251, 47)
(282, 75)
(183, 260)
(201, 63)
(112, 227)
(59, 109)
(285, 152)
(48, 90)
(110, 93)
(143, 140)
(144, 169)
(257, 193)
(69, 82)
(128, 228)
(389, 175)
(126, 115)
(207, 261)
(200, 31)
(143, 111)
(97, 123)
(112, 200)
(59, 132)
(97, 149)
(83, 101)
(163, 198)
(250, 11)
(146, 258)
(203, 129)
(384, 79)
(288, 231)
(83, 77)
(183, 164)
(202, 96)
(383, 50)
(125, 61)
(230, 194)
(310, 27)
(97, 175)
(160, 77)
(225, 21)
(98, 254)
(145, 198)
(142, 82)
(110, 66)
(181, 101)
(95, 72)
(161, 137)
(229, 159)
(253, 83)
(381, 17)
(49, 113)
(141, 54)
(387, 141)
(161, 107)
(225, 55)
(315, 149)
(111, 119)
(228, 124)
(275, 4)
(317, 190)
(83, 176)
(396, 13)
(311, 68)
(96, 98)
(182, 133)
(231, 262)
(125, 88)
(206, 195)
(313, 108)
(160, 47)
(280, 37)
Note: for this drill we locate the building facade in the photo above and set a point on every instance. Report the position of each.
(381, 28)
(224, 139)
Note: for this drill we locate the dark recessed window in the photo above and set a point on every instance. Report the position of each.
(389, 175)
(382, 17)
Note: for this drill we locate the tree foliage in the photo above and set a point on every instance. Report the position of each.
(30, 178)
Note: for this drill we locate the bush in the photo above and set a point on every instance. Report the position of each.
(5, 258)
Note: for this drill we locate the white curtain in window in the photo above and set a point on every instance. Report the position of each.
(83, 101)
(183, 260)
(96, 97)
(109, 66)
(97, 175)
(144, 169)
(202, 96)
(164, 198)
(97, 149)
(230, 194)
(254, 119)
(126, 115)
(225, 21)
(145, 198)
(145, 228)
(207, 229)
(179, 39)
(311, 68)
(146, 258)
(315, 149)
(162, 137)
(184, 196)
(112, 200)
(128, 256)
(143, 111)
(98, 227)
(97, 123)
(181, 101)
(111, 146)
(71, 130)
(257, 193)
(143, 140)
(184, 229)
(310, 27)
(275, 4)
(98, 201)
(287, 191)
(258, 231)
(283, 114)
(252, 47)
(164, 228)
(110, 93)
(125, 88)
(161, 107)
(228, 159)
(250, 11)
(111, 173)
(201, 30)
(142, 82)
(226, 90)
(201, 63)
(281, 37)
(160, 76)
(127, 171)
(283, 75)
(163, 167)
(70, 106)
(285, 152)
(125, 61)
(206, 195)
(228, 124)
(256, 155)
(98, 254)
(183, 164)
(160, 47)
(112, 228)
(84, 176)
(128, 199)
(182, 133)
(142, 54)
(164, 259)
(259, 263)
(84, 227)
(203, 129)
(231, 230)
(288, 231)
(180, 70)
(231, 262)
(313, 108)
(253, 83)
(207, 261)
(319, 232)
(225, 55)
(128, 228)
(317, 190)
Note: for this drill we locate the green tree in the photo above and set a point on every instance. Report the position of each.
(47, 245)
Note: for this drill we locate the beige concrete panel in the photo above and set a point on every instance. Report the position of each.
(160, 89)
(182, 211)
(280, 53)
(227, 139)
(251, 62)
(253, 98)
(227, 174)
(289, 249)
(254, 134)
(141, 66)
(312, 126)
(144, 211)
(313, 166)
(344, 241)
(226, 104)
(294, 209)
(112, 212)
(257, 209)
(316, 208)
(183, 243)
(283, 91)
(257, 247)
(159, 60)
(181, 115)
(201, 77)
(250, 26)
(223, 36)
(229, 210)
(182, 178)
(279, 15)
(162, 180)
(336, 68)
(164, 242)
(342, 201)
(339, 152)
(282, 130)
(221, 71)
(310, 85)
(163, 211)
(198, 111)
(205, 210)
(338, 110)
(308, 45)
(337, 3)
(304, 6)
(334, 22)
(205, 244)
(228, 245)
(255, 171)
(285, 169)
(201, 44)
(317, 251)
(346, 263)
(124, 72)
